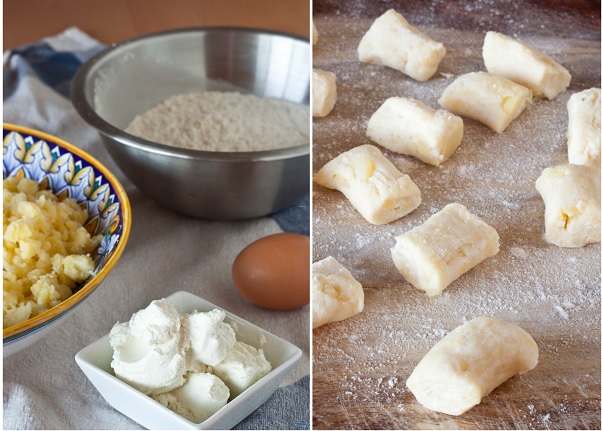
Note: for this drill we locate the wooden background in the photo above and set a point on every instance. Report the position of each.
(360, 365)
(27, 21)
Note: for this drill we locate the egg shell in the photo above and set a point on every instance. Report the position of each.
(273, 272)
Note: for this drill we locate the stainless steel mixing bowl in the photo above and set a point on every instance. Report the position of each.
(129, 78)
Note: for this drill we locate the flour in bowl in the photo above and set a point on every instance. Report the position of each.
(224, 121)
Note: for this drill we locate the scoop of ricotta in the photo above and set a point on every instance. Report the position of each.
(202, 395)
(243, 366)
(209, 337)
(149, 351)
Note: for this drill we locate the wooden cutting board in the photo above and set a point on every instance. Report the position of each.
(360, 365)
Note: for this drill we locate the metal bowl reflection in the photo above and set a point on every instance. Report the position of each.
(129, 78)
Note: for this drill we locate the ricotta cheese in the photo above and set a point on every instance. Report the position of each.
(190, 363)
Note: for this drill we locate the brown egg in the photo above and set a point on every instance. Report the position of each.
(273, 271)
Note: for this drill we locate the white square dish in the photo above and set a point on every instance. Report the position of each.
(95, 362)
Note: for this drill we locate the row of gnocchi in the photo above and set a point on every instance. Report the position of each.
(453, 241)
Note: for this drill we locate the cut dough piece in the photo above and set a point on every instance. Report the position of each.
(512, 59)
(448, 244)
(335, 294)
(408, 126)
(584, 128)
(373, 185)
(314, 34)
(391, 41)
(470, 362)
(571, 194)
(493, 100)
(323, 92)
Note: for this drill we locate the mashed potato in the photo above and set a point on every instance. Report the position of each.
(46, 249)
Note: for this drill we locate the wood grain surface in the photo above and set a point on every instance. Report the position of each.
(360, 365)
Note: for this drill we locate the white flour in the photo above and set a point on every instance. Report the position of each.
(224, 121)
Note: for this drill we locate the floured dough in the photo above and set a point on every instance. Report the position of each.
(469, 363)
(323, 92)
(373, 185)
(391, 41)
(335, 294)
(571, 194)
(584, 128)
(314, 34)
(493, 100)
(408, 126)
(448, 244)
(512, 59)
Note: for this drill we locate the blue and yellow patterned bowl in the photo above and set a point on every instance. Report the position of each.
(69, 172)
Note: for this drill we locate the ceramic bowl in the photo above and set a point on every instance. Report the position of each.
(95, 362)
(70, 172)
(129, 78)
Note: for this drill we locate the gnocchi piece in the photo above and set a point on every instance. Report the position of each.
(408, 126)
(314, 34)
(323, 92)
(470, 362)
(335, 294)
(451, 242)
(373, 185)
(493, 100)
(512, 59)
(391, 41)
(584, 128)
(571, 194)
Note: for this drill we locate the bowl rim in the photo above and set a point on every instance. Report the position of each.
(87, 112)
(47, 317)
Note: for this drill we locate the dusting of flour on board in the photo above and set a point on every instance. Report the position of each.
(552, 293)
